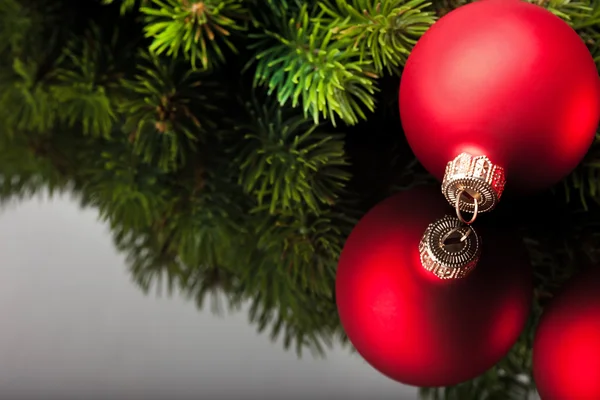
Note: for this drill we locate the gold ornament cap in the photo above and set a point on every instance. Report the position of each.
(450, 249)
(473, 181)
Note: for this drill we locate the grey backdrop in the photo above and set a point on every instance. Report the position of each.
(73, 326)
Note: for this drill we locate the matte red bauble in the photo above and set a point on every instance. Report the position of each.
(413, 326)
(504, 79)
(566, 349)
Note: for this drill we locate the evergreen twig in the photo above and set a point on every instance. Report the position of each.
(383, 31)
(287, 161)
(305, 66)
(196, 29)
(168, 110)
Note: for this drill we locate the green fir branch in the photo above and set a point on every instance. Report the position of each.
(168, 111)
(293, 259)
(27, 27)
(133, 198)
(26, 103)
(286, 162)
(17, 22)
(304, 65)
(205, 223)
(127, 5)
(197, 29)
(305, 244)
(565, 9)
(443, 7)
(26, 70)
(85, 76)
(25, 171)
(128, 193)
(280, 8)
(585, 180)
(265, 12)
(587, 25)
(190, 237)
(301, 320)
(382, 31)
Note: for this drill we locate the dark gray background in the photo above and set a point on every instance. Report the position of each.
(73, 326)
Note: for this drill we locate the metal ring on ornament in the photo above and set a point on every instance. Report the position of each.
(458, 212)
(457, 229)
(462, 219)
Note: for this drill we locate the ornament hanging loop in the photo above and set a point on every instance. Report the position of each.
(477, 177)
(457, 229)
(460, 217)
(457, 207)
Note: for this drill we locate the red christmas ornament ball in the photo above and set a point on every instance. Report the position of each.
(506, 79)
(412, 326)
(566, 348)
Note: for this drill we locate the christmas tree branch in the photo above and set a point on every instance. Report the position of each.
(26, 102)
(585, 180)
(286, 161)
(84, 77)
(566, 9)
(587, 25)
(196, 29)
(271, 10)
(383, 31)
(16, 21)
(168, 110)
(127, 5)
(304, 65)
(26, 170)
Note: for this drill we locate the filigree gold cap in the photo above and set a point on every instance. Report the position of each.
(450, 249)
(477, 177)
